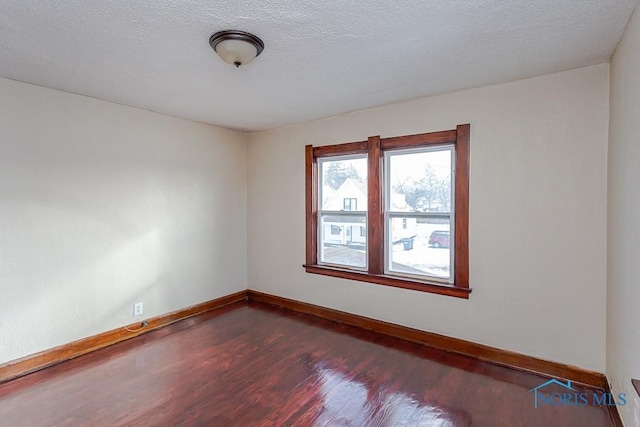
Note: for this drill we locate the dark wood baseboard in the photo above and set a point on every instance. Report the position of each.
(26, 365)
(442, 342)
(19, 367)
(613, 410)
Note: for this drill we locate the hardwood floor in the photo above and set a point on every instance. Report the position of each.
(250, 364)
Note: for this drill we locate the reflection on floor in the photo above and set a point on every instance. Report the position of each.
(251, 364)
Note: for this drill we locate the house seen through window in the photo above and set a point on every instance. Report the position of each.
(392, 211)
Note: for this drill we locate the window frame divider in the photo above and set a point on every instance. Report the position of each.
(375, 228)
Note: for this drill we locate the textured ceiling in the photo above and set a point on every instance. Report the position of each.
(322, 58)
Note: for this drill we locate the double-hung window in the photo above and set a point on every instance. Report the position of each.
(343, 182)
(391, 211)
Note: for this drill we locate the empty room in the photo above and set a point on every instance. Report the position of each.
(413, 213)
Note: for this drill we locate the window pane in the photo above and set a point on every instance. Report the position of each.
(342, 240)
(420, 181)
(350, 204)
(422, 248)
(343, 184)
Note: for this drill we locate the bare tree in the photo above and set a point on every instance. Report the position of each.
(430, 192)
(337, 173)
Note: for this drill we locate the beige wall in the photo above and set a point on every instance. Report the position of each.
(623, 267)
(537, 216)
(103, 205)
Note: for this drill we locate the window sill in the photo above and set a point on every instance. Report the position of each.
(386, 280)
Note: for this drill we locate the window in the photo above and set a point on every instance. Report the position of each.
(342, 181)
(350, 204)
(413, 217)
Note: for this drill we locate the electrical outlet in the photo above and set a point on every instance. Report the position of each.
(137, 309)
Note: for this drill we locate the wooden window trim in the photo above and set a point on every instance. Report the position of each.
(340, 149)
(374, 148)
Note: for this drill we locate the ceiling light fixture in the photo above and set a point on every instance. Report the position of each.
(236, 47)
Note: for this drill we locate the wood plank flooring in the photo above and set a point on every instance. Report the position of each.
(251, 364)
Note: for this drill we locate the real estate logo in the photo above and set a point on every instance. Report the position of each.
(571, 397)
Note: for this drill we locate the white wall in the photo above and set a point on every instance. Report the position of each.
(537, 216)
(623, 268)
(103, 205)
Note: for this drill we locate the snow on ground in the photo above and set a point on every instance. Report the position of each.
(422, 258)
